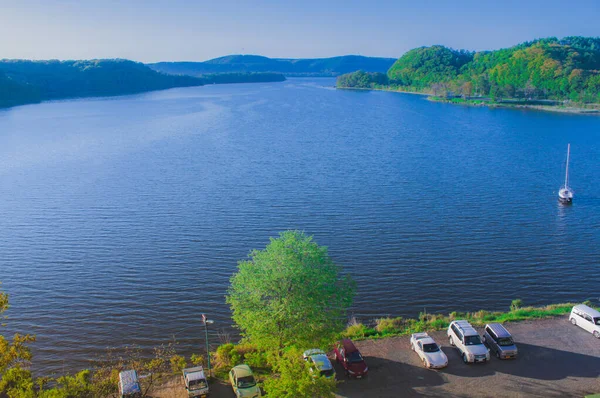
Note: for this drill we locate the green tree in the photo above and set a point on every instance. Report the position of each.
(293, 379)
(290, 293)
(16, 352)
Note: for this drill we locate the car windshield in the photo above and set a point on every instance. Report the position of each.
(505, 341)
(432, 347)
(597, 321)
(472, 340)
(246, 382)
(327, 373)
(355, 357)
(200, 383)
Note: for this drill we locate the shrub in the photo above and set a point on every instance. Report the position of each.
(197, 360)
(356, 331)
(516, 304)
(177, 363)
(223, 356)
(389, 325)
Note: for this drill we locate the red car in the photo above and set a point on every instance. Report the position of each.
(348, 355)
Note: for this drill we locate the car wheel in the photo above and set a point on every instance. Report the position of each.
(464, 358)
(498, 354)
(483, 339)
(573, 321)
(450, 340)
(596, 334)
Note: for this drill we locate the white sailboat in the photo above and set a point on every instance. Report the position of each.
(565, 194)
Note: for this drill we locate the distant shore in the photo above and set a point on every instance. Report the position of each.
(488, 103)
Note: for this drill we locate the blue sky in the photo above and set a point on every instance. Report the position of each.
(185, 30)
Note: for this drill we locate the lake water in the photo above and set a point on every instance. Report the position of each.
(122, 219)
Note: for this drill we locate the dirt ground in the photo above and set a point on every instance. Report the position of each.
(556, 359)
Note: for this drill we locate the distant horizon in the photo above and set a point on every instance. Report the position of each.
(284, 58)
(152, 31)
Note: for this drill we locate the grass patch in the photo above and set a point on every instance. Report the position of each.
(388, 327)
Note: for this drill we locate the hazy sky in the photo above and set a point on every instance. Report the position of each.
(178, 30)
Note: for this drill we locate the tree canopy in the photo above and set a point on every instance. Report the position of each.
(293, 379)
(23, 81)
(290, 294)
(550, 68)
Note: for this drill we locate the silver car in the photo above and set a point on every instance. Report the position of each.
(499, 340)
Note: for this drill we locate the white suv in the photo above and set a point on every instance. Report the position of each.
(466, 339)
(587, 318)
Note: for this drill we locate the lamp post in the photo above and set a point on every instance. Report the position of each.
(206, 323)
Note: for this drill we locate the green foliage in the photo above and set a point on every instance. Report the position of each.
(290, 294)
(516, 304)
(565, 69)
(256, 360)
(177, 363)
(24, 81)
(421, 67)
(197, 360)
(17, 382)
(426, 322)
(13, 354)
(361, 79)
(294, 380)
(386, 325)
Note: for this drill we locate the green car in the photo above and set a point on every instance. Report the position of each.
(243, 382)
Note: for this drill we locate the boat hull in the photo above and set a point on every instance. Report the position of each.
(565, 201)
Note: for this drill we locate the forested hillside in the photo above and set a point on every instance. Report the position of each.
(290, 67)
(23, 82)
(549, 68)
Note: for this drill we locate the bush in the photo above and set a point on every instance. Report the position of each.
(226, 357)
(177, 363)
(389, 325)
(356, 331)
(197, 360)
(516, 304)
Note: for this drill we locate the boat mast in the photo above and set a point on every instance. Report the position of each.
(567, 171)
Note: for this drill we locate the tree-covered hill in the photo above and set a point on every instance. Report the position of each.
(550, 68)
(290, 67)
(421, 67)
(23, 82)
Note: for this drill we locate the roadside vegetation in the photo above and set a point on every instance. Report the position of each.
(389, 327)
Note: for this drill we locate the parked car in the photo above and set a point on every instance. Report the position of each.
(466, 339)
(195, 382)
(349, 357)
(428, 350)
(586, 318)
(243, 382)
(319, 363)
(499, 341)
(129, 385)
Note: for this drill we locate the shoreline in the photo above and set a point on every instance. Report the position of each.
(546, 108)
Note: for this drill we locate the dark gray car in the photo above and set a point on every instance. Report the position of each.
(499, 341)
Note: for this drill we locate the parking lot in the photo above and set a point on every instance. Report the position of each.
(556, 359)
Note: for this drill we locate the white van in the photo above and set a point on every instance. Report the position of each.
(587, 318)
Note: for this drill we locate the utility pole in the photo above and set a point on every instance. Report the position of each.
(206, 323)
